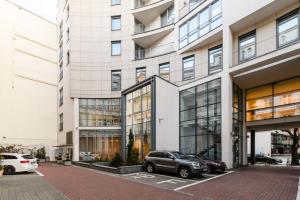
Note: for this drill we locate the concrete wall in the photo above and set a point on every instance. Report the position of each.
(28, 79)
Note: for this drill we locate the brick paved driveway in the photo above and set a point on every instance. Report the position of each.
(252, 183)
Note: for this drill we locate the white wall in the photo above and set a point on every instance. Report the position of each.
(167, 115)
(28, 79)
(262, 143)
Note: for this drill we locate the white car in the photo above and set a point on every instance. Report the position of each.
(14, 162)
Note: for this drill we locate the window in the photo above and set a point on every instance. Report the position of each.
(188, 67)
(68, 12)
(215, 59)
(61, 122)
(202, 23)
(116, 22)
(61, 100)
(68, 34)
(281, 99)
(69, 138)
(139, 52)
(61, 72)
(99, 112)
(247, 45)
(68, 57)
(116, 80)
(116, 48)
(167, 17)
(115, 2)
(139, 27)
(288, 29)
(164, 70)
(200, 120)
(140, 74)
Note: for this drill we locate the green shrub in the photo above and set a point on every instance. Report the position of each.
(116, 161)
(41, 154)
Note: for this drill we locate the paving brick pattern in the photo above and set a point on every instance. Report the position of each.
(252, 183)
(28, 187)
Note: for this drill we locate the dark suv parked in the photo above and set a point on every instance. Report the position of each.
(174, 162)
(212, 165)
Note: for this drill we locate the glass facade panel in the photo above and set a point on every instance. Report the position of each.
(139, 119)
(247, 46)
(281, 99)
(288, 29)
(99, 112)
(201, 24)
(99, 145)
(200, 120)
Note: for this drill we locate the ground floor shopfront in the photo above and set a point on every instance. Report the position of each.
(210, 116)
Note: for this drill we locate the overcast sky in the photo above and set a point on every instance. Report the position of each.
(44, 8)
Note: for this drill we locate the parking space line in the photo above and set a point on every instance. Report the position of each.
(39, 173)
(198, 182)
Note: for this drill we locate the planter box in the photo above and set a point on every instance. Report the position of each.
(67, 163)
(104, 166)
(59, 161)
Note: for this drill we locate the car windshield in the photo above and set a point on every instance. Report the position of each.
(179, 155)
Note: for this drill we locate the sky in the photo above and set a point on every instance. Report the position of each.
(43, 8)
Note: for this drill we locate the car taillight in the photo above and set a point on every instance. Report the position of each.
(24, 161)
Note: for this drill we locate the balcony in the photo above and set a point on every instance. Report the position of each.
(155, 51)
(146, 13)
(61, 101)
(188, 7)
(147, 38)
(61, 75)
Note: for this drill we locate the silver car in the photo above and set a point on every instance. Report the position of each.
(174, 162)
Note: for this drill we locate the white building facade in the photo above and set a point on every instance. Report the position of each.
(28, 79)
(225, 68)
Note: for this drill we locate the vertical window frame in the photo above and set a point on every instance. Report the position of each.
(116, 72)
(183, 61)
(245, 37)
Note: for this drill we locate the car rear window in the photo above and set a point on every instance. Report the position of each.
(9, 157)
(27, 157)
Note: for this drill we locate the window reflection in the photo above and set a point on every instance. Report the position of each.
(283, 100)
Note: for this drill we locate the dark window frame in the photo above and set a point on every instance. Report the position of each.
(163, 64)
(113, 18)
(245, 37)
(183, 61)
(111, 46)
(209, 53)
(112, 73)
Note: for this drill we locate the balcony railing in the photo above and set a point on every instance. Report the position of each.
(139, 30)
(143, 3)
(191, 5)
(154, 51)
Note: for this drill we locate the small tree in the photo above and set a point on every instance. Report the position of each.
(130, 145)
(116, 161)
(295, 135)
(41, 154)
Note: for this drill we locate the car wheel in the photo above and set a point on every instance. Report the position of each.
(9, 170)
(209, 170)
(185, 172)
(150, 168)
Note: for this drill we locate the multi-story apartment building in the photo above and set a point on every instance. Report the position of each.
(28, 79)
(193, 76)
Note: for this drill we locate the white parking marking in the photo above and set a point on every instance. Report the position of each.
(172, 181)
(198, 182)
(298, 192)
(39, 173)
(138, 175)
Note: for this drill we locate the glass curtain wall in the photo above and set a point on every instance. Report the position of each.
(200, 120)
(280, 99)
(99, 112)
(237, 125)
(100, 145)
(139, 119)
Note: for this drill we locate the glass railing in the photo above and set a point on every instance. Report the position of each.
(139, 30)
(191, 5)
(154, 51)
(143, 3)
